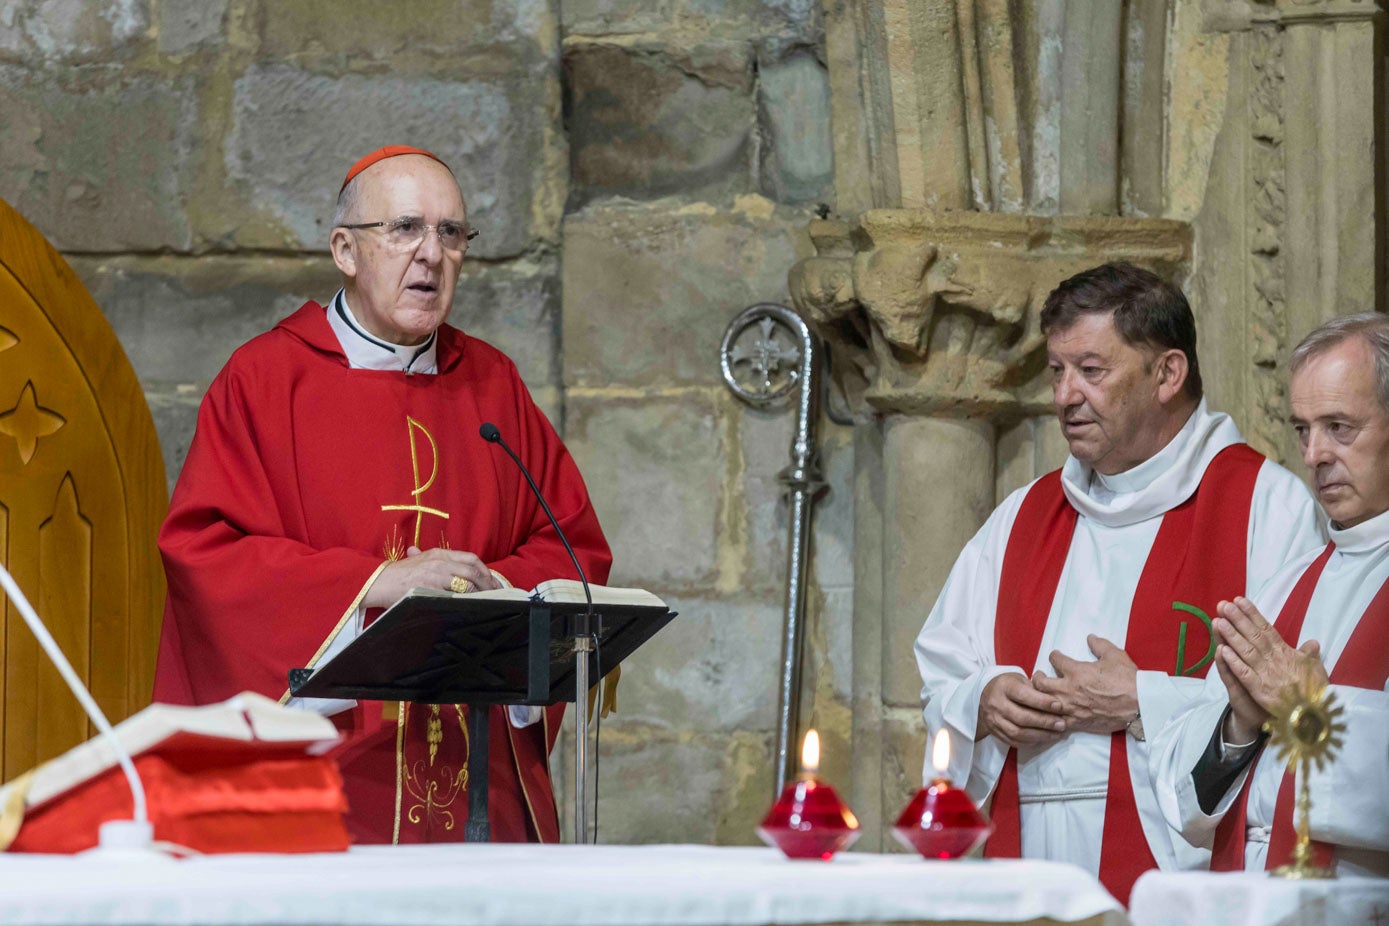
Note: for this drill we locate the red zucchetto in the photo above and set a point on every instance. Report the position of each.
(380, 154)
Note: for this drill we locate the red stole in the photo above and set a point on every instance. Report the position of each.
(1197, 559)
(1360, 665)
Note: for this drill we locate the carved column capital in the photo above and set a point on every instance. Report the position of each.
(937, 312)
(1243, 15)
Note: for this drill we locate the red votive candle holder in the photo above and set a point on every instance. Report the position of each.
(809, 821)
(942, 822)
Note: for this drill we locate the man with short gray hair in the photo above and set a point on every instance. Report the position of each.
(1331, 626)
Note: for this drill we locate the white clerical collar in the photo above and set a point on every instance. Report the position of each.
(365, 351)
(1158, 484)
(1364, 537)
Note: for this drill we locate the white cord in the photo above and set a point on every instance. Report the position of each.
(55, 654)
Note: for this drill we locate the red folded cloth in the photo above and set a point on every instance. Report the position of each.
(231, 777)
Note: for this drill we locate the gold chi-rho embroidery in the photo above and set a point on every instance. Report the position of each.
(413, 427)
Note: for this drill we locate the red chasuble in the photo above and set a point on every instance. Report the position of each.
(1361, 665)
(303, 478)
(1197, 559)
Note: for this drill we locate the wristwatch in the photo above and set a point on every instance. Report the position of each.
(1134, 727)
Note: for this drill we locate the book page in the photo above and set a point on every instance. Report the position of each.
(571, 591)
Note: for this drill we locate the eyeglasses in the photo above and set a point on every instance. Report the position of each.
(406, 233)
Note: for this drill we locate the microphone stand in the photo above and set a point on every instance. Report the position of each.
(583, 645)
(585, 628)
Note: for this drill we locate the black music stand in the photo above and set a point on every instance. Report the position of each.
(436, 648)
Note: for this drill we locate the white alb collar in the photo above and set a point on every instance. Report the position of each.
(1365, 537)
(1158, 484)
(364, 351)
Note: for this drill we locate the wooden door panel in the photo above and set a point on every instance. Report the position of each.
(82, 487)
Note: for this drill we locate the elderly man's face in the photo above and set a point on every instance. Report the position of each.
(401, 294)
(1343, 432)
(1108, 395)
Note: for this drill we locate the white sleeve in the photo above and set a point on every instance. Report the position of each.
(523, 715)
(1173, 754)
(1284, 524)
(1162, 697)
(1348, 795)
(327, 707)
(955, 654)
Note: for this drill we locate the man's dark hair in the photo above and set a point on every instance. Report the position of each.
(1148, 311)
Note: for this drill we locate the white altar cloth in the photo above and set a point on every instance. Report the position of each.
(523, 885)
(1195, 898)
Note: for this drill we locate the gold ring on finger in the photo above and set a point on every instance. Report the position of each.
(461, 585)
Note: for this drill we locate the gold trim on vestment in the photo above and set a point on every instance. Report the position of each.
(399, 771)
(342, 622)
(516, 761)
(12, 816)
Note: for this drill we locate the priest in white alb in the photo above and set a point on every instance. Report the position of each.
(1078, 616)
(1330, 610)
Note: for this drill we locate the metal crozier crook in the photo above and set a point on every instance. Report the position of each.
(767, 352)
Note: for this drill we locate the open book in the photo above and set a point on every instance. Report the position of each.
(558, 591)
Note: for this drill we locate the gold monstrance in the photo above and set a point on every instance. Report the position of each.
(1306, 729)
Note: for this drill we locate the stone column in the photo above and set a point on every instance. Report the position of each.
(1301, 214)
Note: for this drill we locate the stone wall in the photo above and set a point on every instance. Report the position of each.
(699, 142)
(185, 155)
(640, 172)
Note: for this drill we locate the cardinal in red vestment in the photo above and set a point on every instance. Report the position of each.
(336, 465)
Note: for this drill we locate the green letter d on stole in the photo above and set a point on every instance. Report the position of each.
(1181, 640)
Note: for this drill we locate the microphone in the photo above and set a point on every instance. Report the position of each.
(489, 433)
(135, 834)
(585, 641)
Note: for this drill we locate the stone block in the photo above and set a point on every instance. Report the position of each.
(1030, 448)
(710, 790)
(174, 409)
(33, 31)
(832, 553)
(647, 122)
(365, 30)
(797, 153)
(187, 25)
(764, 437)
(179, 319)
(713, 669)
(649, 290)
(748, 780)
(794, 20)
(515, 309)
(295, 133)
(655, 471)
(99, 161)
(832, 651)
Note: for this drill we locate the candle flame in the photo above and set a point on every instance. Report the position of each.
(940, 752)
(810, 753)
